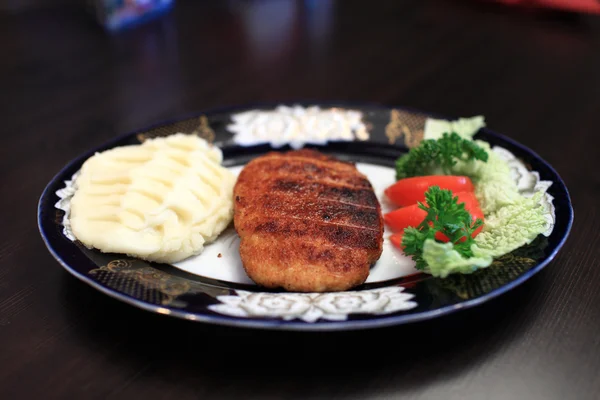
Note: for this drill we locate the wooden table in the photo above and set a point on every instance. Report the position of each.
(66, 86)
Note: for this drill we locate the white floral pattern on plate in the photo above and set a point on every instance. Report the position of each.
(297, 126)
(310, 307)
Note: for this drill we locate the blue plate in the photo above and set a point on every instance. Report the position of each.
(168, 290)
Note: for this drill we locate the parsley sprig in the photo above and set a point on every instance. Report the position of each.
(442, 154)
(445, 215)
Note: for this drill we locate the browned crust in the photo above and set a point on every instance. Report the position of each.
(307, 222)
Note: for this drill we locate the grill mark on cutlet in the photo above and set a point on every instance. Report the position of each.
(343, 194)
(352, 204)
(340, 236)
(334, 212)
(360, 196)
(314, 200)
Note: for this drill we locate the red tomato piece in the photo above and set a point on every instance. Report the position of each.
(404, 217)
(472, 206)
(409, 191)
(412, 216)
(396, 240)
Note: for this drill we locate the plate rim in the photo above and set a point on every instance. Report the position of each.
(378, 321)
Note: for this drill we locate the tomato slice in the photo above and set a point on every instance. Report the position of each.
(472, 206)
(396, 240)
(409, 191)
(404, 217)
(412, 216)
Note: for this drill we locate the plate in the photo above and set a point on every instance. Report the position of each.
(213, 288)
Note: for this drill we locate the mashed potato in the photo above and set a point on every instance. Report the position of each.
(160, 201)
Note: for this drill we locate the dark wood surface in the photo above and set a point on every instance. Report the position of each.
(67, 86)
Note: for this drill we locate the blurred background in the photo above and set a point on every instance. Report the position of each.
(443, 56)
(99, 68)
(76, 73)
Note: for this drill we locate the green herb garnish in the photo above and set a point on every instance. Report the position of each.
(438, 155)
(446, 216)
